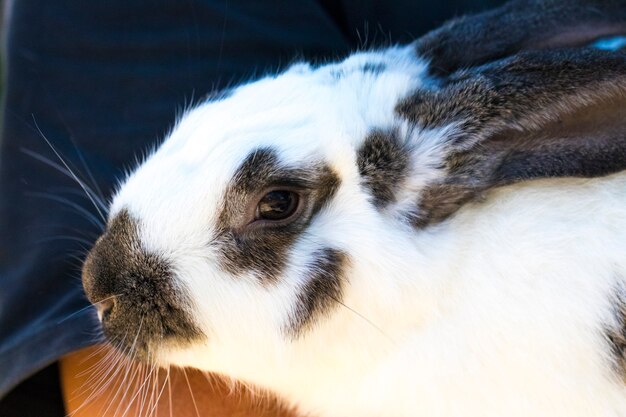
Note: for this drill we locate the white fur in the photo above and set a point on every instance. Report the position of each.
(500, 311)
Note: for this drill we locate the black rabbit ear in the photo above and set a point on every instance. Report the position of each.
(517, 26)
(559, 113)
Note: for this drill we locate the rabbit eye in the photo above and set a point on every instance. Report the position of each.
(277, 205)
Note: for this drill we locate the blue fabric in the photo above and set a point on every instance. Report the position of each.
(102, 80)
(610, 44)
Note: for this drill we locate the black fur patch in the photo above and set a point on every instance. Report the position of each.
(383, 163)
(374, 68)
(322, 292)
(368, 68)
(523, 92)
(539, 114)
(147, 309)
(264, 250)
(516, 26)
(616, 335)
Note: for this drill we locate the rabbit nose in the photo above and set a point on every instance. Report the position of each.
(104, 307)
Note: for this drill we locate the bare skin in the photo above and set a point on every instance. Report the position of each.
(95, 385)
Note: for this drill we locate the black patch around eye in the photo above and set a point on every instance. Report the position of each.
(323, 290)
(264, 251)
(383, 163)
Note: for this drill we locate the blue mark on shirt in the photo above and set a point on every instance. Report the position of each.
(610, 44)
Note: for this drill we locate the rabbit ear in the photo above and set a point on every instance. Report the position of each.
(517, 26)
(559, 113)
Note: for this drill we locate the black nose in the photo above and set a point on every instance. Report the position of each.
(133, 291)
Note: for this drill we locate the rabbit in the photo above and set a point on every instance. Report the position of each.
(436, 229)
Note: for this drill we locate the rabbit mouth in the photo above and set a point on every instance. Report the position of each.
(139, 305)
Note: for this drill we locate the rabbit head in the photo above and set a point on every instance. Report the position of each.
(242, 228)
(297, 222)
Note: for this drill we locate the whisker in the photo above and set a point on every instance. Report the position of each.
(102, 373)
(101, 384)
(136, 368)
(155, 409)
(96, 352)
(131, 365)
(125, 380)
(169, 390)
(149, 391)
(90, 305)
(210, 380)
(73, 175)
(134, 381)
(139, 391)
(76, 148)
(80, 209)
(91, 195)
(99, 194)
(100, 379)
(106, 363)
(193, 399)
(155, 394)
(74, 314)
(79, 258)
(368, 321)
(47, 161)
(147, 406)
(77, 192)
(56, 238)
(142, 393)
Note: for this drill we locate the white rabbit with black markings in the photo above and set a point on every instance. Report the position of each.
(364, 238)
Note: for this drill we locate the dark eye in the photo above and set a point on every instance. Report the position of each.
(277, 205)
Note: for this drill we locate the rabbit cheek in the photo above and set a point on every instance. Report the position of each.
(321, 292)
(134, 291)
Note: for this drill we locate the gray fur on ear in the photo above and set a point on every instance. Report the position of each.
(517, 26)
(559, 113)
